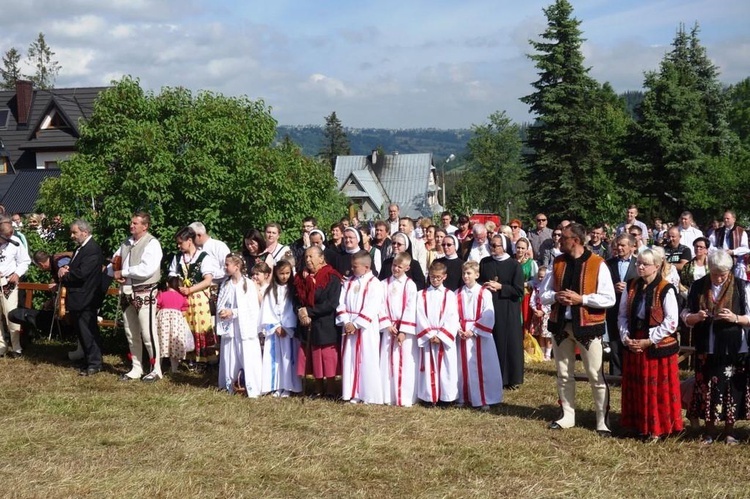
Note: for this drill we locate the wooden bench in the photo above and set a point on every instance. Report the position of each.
(31, 287)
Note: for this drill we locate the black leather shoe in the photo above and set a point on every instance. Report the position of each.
(90, 371)
(554, 426)
(14, 355)
(125, 377)
(604, 433)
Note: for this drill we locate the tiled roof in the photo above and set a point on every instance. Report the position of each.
(73, 104)
(21, 195)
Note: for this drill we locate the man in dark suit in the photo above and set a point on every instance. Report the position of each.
(83, 279)
(622, 267)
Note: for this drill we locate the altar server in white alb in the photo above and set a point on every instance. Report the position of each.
(279, 322)
(437, 325)
(480, 381)
(398, 345)
(237, 319)
(357, 313)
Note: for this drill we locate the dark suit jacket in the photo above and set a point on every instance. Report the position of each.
(84, 279)
(631, 273)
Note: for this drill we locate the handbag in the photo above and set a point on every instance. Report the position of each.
(666, 347)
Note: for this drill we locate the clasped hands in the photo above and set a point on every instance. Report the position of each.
(637, 346)
(400, 337)
(568, 298)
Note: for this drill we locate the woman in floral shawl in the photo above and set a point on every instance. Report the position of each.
(718, 313)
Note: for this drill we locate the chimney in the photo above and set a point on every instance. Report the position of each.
(24, 93)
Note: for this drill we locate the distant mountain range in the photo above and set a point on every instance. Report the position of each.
(441, 143)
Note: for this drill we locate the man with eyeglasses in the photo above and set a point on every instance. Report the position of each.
(597, 245)
(580, 289)
(688, 231)
(480, 247)
(452, 262)
(538, 236)
(637, 234)
(622, 268)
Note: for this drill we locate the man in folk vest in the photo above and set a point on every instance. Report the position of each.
(580, 289)
(732, 238)
(136, 266)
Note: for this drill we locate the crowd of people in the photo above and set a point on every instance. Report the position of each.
(402, 311)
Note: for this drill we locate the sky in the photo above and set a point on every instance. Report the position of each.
(377, 63)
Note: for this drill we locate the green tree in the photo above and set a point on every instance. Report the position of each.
(46, 69)
(335, 141)
(676, 145)
(574, 141)
(738, 114)
(11, 72)
(186, 157)
(494, 173)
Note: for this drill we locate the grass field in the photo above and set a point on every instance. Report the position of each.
(67, 436)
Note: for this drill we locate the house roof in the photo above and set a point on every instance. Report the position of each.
(71, 105)
(373, 189)
(20, 194)
(404, 178)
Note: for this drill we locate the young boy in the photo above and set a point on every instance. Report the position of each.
(398, 348)
(437, 323)
(357, 313)
(480, 381)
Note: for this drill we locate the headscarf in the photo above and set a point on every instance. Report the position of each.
(505, 255)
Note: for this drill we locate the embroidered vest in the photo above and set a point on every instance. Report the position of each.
(136, 254)
(654, 308)
(588, 322)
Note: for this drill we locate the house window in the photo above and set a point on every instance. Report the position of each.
(53, 121)
(51, 165)
(3, 165)
(4, 113)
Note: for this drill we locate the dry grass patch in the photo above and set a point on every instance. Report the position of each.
(66, 436)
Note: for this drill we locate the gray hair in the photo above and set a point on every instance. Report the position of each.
(720, 260)
(82, 225)
(479, 229)
(198, 228)
(5, 218)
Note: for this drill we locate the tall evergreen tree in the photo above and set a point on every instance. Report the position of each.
(46, 69)
(682, 130)
(570, 149)
(335, 141)
(11, 72)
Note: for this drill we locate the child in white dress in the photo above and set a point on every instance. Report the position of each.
(278, 321)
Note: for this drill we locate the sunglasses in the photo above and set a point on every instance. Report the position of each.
(515, 226)
(496, 245)
(541, 219)
(556, 235)
(446, 245)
